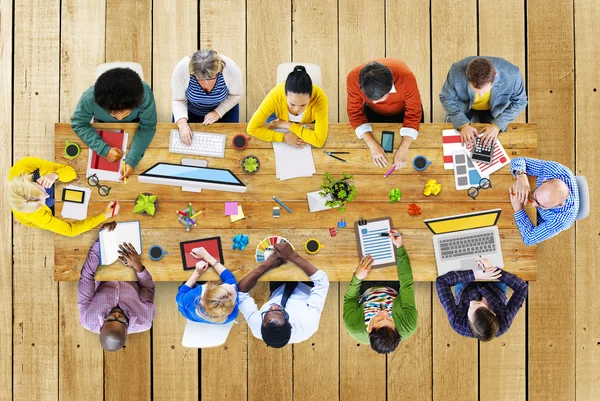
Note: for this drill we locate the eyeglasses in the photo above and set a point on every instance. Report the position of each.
(537, 201)
(121, 319)
(278, 309)
(484, 183)
(94, 181)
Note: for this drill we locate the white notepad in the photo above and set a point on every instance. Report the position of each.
(371, 243)
(292, 162)
(128, 231)
(74, 210)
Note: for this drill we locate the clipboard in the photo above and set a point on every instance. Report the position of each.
(368, 241)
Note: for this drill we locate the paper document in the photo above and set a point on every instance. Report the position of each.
(499, 159)
(74, 210)
(105, 170)
(316, 202)
(292, 162)
(109, 241)
(371, 243)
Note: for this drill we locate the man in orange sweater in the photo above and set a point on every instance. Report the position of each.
(384, 91)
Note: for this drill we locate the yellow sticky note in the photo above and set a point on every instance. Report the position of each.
(239, 215)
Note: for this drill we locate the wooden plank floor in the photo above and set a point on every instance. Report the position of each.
(48, 53)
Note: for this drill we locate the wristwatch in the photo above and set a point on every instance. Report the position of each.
(518, 172)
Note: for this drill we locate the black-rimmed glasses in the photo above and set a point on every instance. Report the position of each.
(94, 181)
(123, 319)
(279, 309)
(484, 183)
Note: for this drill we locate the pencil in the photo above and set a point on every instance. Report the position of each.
(124, 172)
(281, 203)
(196, 215)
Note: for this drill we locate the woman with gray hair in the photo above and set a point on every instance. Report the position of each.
(207, 87)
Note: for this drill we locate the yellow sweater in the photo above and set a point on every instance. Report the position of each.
(482, 102)
(43, 218)
(276, 102)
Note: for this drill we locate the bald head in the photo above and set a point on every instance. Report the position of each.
(551, 194)
(113, 336)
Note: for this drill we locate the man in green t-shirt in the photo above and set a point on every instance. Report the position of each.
(381, 313)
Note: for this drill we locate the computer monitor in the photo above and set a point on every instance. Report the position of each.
(193, 177)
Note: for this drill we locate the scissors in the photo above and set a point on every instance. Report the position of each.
(337, 153)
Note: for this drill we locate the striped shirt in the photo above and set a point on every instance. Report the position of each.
(96, 299)
(375, 299)
(552, 221)
(202, 103)
(457, 309)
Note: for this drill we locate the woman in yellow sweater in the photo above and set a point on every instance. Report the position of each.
(295, 102)
(30, 190)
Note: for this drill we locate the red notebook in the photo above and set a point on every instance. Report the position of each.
(114, 139)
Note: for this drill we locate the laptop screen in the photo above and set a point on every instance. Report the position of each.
(463, 222)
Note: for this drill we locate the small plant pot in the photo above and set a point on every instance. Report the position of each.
(248, 166)
(346, 187)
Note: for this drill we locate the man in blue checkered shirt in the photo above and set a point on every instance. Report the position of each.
(556, 198)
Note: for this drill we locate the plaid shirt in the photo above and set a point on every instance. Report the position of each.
(456, 309)
(96, 299)
(552, 221)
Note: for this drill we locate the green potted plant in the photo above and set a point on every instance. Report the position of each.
(340, 189)
(145, 203)
(250, 164)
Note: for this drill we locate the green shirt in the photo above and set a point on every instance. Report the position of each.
(146, 112)
(404, 310)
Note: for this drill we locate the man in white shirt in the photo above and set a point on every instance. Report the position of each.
(293, 312)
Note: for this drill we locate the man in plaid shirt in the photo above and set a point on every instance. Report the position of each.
(481, 309)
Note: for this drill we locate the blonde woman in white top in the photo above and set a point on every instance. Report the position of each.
(207, 87)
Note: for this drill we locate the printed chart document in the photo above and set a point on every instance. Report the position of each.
(105, 170)
(74, 210)
(451, 143)
(128, 231)
(369, 241)
(292, 162)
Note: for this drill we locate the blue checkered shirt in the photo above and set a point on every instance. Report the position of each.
(552, 221)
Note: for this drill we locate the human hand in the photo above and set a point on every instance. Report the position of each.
(489, 134)
(211, 117)
(129, 256)
(364, 267)
(397, 241)
(47, 180)
(377, 154)
(484, 264)
(110, 226)
(114, 154)
(514, 199)
(285, 251)
(185, 132)
(274, 260)
(281, 124)
(401, 158)
(522, 188)
(202, 254)
(293, 140)
(492, 273)
(108, 212)
(127, 173)
(467, 135)
(201, 267)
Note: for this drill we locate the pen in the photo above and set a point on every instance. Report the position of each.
(335, 157)
(388, 234)
(390, 171)
(124, 177)
(113, 208)
(281, 203)
(339, 153)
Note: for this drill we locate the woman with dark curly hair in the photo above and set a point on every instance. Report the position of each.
(119, 95)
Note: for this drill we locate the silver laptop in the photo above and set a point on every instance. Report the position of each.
(460, 240)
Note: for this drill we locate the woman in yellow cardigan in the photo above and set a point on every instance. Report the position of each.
(30, 190)
(295, 102)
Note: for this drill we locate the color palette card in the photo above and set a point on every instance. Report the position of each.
(265, 247)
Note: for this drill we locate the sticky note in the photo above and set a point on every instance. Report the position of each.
(231, 208)
(239, 215)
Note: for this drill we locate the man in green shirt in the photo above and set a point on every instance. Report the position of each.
(119, 95)
(377, 313)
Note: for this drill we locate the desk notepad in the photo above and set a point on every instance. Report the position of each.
(369, 242)
(292, 162)
(128, 231)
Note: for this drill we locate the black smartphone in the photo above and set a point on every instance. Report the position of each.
(387, 141)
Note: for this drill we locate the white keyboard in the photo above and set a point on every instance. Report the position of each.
(203, 144)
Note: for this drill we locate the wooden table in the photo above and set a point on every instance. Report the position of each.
(339, 256)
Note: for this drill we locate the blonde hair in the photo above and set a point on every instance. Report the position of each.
(23, 195)
(216, 302)
(205, 64)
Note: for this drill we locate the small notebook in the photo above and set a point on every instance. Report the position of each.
(105, 170)
(128, 231)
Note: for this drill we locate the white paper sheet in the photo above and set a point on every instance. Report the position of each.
(292, 162)
(371, 243)
(106, 175)
(74, 210)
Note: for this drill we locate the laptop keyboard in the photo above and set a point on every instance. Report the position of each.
(470, 245)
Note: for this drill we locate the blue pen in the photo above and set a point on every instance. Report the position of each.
(281, 203)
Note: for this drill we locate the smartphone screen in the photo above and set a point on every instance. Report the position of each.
(387, 141)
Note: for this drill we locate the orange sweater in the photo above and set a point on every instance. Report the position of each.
(405, 99)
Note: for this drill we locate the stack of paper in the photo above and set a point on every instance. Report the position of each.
(292, 162)
(74, 210)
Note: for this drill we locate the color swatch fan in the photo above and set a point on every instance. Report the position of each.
(265, 247)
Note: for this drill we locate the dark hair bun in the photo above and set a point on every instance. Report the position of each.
(299, 68)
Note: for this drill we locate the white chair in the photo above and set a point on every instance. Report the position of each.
(584, 197)
(204, 335)
(313, 70)
(137, 67)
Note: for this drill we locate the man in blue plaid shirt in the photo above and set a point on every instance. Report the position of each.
(556, 198)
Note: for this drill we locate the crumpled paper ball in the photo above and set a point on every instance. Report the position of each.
(432, 188)
(240, 242)
(414, 210)
(395, 195)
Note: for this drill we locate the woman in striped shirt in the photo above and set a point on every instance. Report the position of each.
(207, 87)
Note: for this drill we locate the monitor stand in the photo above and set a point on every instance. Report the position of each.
(195, 163)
